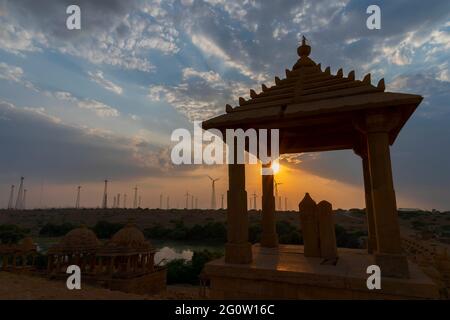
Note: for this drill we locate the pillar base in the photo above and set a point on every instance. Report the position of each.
(238, 253)
(392, 265)
(269, 241)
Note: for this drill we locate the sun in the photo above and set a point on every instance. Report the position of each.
(275, 167)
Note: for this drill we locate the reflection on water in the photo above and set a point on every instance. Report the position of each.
(166, 250)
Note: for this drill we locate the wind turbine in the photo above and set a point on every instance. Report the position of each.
(20, 195)
(276, 192)
(11, 198)
(187, 200)
(105, 196)
(77, 203)
(254, 200)
(24, 199)
(213, 194)
(135, 197)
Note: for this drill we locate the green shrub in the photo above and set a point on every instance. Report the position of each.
(183, 271)
(347, 239)
(105, 229)
(54, 230)
(12, 234)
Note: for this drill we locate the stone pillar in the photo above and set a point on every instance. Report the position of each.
(309, 226)
(99, 269)
(5, 261)
(93, 263)
(269, 237)
(389, 253)
(237, 250)
(111, 266)
(372, 236)
(59, 259)
(327, 234)
(50, 263)
(128, 266)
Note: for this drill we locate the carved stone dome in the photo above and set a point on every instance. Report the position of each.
(129, 236)
(27, 244)
(81, 240)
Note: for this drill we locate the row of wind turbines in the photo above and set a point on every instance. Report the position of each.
(120, 200)
(20, 202)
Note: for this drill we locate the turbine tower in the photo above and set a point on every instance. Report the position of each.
(11, 198)
(135, 197)
(254, 200)
(77, 203)
(105, 196)
(222, 202)
(114, 202)
(24, 199)
(118, 201)
(192, 201)
(187, 199)
(125, 201)
(276, 193)
(160, 201)
(213, 193)
(20, 195)
(139, 202)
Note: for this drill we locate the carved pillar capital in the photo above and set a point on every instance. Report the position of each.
(377, 122)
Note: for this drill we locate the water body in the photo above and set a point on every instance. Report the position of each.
(167, 250)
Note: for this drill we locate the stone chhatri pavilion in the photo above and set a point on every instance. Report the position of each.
(124, 263)
(318, 111)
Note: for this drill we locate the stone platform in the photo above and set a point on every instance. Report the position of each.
(285, 273)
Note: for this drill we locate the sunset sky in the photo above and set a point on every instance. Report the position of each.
(78, 107)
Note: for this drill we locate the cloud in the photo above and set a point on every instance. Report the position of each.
(108, 85)
(14, 74)
(10, 73)
(209, 76)
(211, 49)
(101, 109)
(202, 94)
(112, 32)
(52, 149)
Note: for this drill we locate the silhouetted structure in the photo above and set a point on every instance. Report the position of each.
(105, 196)
(135, 204)
(24, 200)
(18, 257)
(213, 192)
(125, 262)
(19, 199)
(77, 202)
(11, 198)
(317, 111)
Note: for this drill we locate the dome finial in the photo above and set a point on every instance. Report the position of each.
(304, 50)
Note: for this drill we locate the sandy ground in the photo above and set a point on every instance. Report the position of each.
(26, 287)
